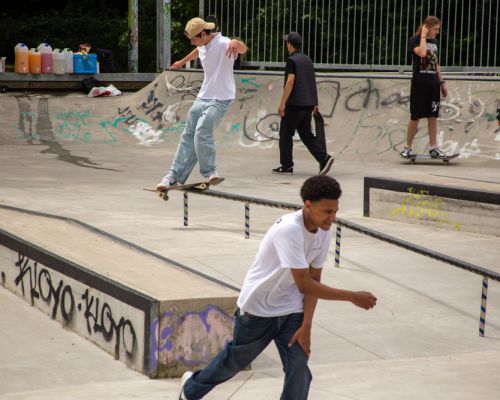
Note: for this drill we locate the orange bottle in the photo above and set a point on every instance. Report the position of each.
(21, 58)
(35, 61)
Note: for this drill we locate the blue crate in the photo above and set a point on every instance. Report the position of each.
(85, 63)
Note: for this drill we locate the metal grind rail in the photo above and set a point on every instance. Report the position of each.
(340, 222)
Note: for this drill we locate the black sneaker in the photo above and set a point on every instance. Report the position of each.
(283, 171)
(324, 167)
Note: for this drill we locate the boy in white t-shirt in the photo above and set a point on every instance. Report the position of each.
(217, 54)
(279, 296)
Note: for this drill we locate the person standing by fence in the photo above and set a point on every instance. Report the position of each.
(427, 85)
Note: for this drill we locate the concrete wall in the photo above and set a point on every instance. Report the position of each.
(433, 205)
(367, 117)
(157, 336)
(111, 324)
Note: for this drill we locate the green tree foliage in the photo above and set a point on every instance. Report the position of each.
(103, 24)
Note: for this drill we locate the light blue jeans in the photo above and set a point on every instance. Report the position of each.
(197, 141)
(251, 336)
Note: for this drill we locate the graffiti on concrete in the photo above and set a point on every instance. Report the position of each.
(421, 205)
(192, 338)
(39, 285)
(364, 116)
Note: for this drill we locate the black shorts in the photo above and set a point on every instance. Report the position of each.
(424, 99)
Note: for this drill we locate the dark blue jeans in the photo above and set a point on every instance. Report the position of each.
(251, 336)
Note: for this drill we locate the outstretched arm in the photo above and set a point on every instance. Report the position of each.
(309, 286)
(236, 47)
(191, 56)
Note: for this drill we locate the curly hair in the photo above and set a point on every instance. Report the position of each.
(320, 187)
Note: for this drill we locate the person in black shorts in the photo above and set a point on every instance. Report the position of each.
(298, 102)
(427, 85)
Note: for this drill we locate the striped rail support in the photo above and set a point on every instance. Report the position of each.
(185, 209)
(337, 246)
(484, 295)
(247, 220)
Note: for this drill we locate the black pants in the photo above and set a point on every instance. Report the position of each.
(299, 118)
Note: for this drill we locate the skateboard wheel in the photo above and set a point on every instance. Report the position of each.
(413, 161)
(203, 186)
(445, 162)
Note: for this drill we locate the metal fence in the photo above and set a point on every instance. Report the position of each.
(362, 34)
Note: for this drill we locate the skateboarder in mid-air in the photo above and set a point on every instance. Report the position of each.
(427, 84)
(279, 296)
(217, 54)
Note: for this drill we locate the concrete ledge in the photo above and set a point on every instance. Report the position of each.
(123, 81)
(153, 315)
(448, 207)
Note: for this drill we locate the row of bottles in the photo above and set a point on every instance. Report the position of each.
(42, 60)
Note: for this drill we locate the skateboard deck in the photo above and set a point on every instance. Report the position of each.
(319, 127)
(446, 160)
(203, 185)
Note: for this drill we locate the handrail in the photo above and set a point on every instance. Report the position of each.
(340, 222)
(358, 228)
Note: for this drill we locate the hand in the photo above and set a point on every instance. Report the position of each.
(424, 31)
(444, 89)
(177, 65)
(281, 110)
(232, 49)
(364, 300)
(316, 109)
(303, 337)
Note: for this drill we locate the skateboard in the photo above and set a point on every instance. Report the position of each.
(204, 185)
(446, 160)
(319, 127)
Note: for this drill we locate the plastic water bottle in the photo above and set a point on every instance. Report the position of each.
(46, 51)
(21, 58)
(68, 56)
(58, 62)
(35, 61)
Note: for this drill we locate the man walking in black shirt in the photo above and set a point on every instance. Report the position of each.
(299, 101)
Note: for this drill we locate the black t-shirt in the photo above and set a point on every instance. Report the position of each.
(304, 93)
(424, 68)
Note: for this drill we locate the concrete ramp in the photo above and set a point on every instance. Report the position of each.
(366, 116)
(157, 317)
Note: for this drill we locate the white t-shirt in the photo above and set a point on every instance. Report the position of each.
(269, 289)
(218, 78)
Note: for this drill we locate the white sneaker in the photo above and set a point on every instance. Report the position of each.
(167, 182)
(213, 176)
(184, 379)
(436, 152)
(407, 152)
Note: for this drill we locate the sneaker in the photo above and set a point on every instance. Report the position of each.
(167, 182)
(407, 152)
(184, 379)
(436, 152)
(283, 171)
(325, 166)
(214, 176)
